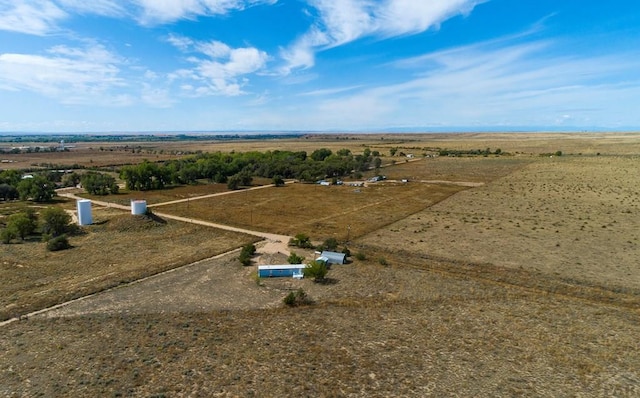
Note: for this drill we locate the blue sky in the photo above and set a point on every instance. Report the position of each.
(321, 65)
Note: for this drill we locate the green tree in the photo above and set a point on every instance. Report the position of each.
(393, 151)
(37, 189)
(8, 192)
(316, 270)
(301, 240)
(246, 253)
(99, 183)
(23, 223)
(295, 258)
(10, 177)
(7, 234)
(278, 181)
(320, 154)
(55, 221)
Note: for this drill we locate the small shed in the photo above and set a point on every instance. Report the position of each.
(281, 271)
(332, 258)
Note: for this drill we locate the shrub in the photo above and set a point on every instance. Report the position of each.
(7, 234)
(360, 256)
(330, 244)
(295, 259)
(58, 243)
(316, 270)
(297, 298)
(301, 240)
(55, 221)
(246, 253)
(383, 261)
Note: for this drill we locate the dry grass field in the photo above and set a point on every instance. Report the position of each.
(319, 211)
(573, 217)
(489, 276)
(378, 332)
(118, 249)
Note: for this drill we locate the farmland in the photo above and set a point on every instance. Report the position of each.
(479, 276)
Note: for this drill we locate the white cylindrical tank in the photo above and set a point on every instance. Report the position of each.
(84, 212)
(138, 207)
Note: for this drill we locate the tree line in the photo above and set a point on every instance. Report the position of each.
(237, 169)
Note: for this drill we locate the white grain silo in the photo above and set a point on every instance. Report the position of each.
(138, 207)
(84, 212)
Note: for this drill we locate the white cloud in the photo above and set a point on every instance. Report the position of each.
(493, 84)
(163, 11)
(70, 75)
(111, 8)
(344, 21)
(42, 17)
(35, 17)
(218, 68)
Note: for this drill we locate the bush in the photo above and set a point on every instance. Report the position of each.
(316, 270)
(330, 244)
(246, 253)
(55, 221)
(7, 234)
(301, 240)
(360, 256)
(383, 261)
(297, 298)
(58, 243)
(295, 259)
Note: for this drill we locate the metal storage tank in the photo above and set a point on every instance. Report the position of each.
(84, 212)
(138, 207)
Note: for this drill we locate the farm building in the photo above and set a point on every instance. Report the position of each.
(275, 271)
(332, 257)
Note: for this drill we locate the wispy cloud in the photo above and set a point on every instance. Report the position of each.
(41, 17)
(493, 84)
(35, 17)
(162, 11)
(70, 75)
(341, 22)
(218, 68)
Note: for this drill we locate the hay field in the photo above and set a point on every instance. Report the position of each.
(572, 217)
(118, 249)
(316, 210)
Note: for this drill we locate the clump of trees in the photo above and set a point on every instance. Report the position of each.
(99, 183)
(52, 224)
(39, 188)
(470, 152)
(238, 168)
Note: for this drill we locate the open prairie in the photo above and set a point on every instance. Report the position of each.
(511, 275)
(574, 217)
(116, 250)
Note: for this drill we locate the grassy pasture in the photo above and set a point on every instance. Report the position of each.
(572, 217)
(118, 249)
(319, 211)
